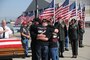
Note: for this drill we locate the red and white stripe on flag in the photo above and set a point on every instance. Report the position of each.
(73, 13)
(83, 15)
(58, 12)
(63, 14)
(17, 21)
(10, 43)
(79, 15)
(47, 13)
(20, 19)
(62, 11)
(29, 18)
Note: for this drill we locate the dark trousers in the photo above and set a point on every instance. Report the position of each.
(74, 45)
(80, 39)
(49, 56)
(61, 47)
(33, 50)
(41, 52)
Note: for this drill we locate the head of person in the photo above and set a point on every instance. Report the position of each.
(80, 22)
(73, 21)
(24, 23)
(36, 21)
(62, 22)
(3, 23)
(44, 22)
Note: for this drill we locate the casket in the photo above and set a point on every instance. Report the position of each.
(11, 48)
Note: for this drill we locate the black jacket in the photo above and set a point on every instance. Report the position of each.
(73, 32)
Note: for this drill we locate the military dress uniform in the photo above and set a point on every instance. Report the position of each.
(81, 32)
(73, 36)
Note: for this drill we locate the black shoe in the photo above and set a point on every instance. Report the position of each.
(66, 49)
(29, 48)
(74, 56)
(61, 56)
(23, 57)
(27, 56)
(81, 46)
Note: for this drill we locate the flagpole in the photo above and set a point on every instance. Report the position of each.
(84, 15)
(35, 8)
(54, 12)
(81, 10)
(76, 10)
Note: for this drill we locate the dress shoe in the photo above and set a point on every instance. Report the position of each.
(27, 56)
(74, 56)
(61, 56)
(66, 49)
(81, 46)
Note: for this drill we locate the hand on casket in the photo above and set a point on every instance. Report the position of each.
(42, 37)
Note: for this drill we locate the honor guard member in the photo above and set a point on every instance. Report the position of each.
(81, 32)
(73, 36)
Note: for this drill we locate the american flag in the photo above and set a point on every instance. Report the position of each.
(48, 12)
(79, 12)
(58, 12)
(17, 20)
(20, 19)
(62, 11)
(72, 10)
(10, 43)
(83, 13)
(30, 16)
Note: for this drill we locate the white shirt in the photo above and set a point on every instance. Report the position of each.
(7, 33)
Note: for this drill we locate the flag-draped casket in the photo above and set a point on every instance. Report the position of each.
(11, 48)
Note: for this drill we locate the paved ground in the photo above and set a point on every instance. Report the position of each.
(84, 53)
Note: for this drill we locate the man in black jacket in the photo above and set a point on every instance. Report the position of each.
(33, 31)
(40, 35)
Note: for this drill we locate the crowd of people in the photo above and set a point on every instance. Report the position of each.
(49, 41)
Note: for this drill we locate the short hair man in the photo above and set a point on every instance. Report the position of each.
(5, 31)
